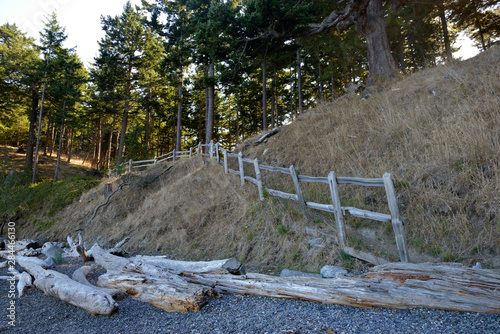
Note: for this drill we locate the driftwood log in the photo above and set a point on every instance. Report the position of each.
(58, 285)
(395, 285)
(159, 286)
(80, 275)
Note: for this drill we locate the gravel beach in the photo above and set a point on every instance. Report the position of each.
(37, 313)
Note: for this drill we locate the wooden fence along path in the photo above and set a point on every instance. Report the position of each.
(216, 152)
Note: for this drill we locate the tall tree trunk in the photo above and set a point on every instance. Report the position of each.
(99, 143)
(209, 122)
(334, 90)
(40, 120)
(60, 145)
(299, 83)
(380, 61)
(274, 110)
(70, 146)
(123, 131)
(446, 35)
(179, 111)
(47, 134)
(28, 164)
(237, 121)
(264, 95)
(320, 81)
(52, 138)
(148, 121)
(158, 138)
(110, 145)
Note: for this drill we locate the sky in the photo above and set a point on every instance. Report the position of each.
(81, 18)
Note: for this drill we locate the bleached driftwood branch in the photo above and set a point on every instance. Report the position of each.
(167, 291)
(80, 275)
(58, 285)
(394, 285)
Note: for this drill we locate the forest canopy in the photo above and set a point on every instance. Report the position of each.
(172, 73)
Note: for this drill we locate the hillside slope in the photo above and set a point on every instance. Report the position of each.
(437, 132)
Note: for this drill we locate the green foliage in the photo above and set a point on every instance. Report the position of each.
(448, 257)
(282, 229)
(346, 260)
(43, 198)
(43, 226)
(59, 258)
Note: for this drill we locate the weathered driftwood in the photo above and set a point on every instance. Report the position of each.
(80, 275)
(159, 286)
(108, 198)
(267, 135)
(58, 285)
(395, 285)
(172, 295)
(80, 248)
(24, 280)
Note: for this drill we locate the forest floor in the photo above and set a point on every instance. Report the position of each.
(46, 164)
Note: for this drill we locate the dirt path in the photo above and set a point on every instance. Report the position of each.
(46, 164)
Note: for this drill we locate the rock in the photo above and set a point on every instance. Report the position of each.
(293, 273)
(316, 242)
(48, 263)
(477, 266)
(234, 267)
(332, 272)
(311, 231)
(2, 243)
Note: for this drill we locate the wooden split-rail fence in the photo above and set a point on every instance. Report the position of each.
(222, 156)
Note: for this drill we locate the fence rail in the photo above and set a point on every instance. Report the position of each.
(214, 151)
(335, 207)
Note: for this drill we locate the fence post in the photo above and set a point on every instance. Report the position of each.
(130, 166)
(226, 168)
(397, 225)
(190, 152)
(240, 163)
(199, 148)
(259, 179)
(217, 152)
(298, 190)
(337, 208)
(173, 155)
(154, 162)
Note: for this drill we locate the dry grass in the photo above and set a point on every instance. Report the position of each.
(437, 132)
(441, 149)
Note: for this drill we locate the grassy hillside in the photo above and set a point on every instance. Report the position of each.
(437, 132)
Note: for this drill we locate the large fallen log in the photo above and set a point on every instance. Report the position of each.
(58, 285)
(394, 285)
(159, 286)
(172, 294)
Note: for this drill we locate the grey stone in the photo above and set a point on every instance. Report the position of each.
(234, 267)
(316, 242)
(293, 273)
(48, 263)
(311, 231)
(332, 272)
